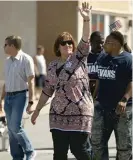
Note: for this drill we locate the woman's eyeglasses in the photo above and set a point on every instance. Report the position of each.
(69, 42)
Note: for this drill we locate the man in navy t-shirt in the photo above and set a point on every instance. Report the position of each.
(96, 42)
(113, 108)
(114, 75)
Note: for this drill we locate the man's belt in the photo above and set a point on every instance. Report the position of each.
(16, 92)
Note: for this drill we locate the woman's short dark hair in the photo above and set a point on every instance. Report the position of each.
(60, 38)
(15, 40)
(120, 38)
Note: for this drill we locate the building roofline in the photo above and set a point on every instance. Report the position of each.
(112, 12)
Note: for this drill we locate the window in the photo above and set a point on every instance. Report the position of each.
(125, 38)
(112, 19)
(101, 23)
(98, 23)
(94, 22)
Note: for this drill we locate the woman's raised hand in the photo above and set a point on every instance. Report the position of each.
(85, 10)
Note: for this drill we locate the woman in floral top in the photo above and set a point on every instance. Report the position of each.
(71, 110)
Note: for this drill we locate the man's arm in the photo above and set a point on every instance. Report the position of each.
(121, 107)
(2, 96)
(3, 93)
(30, 74)
(29, 108)
(35, 66)
(128, 93)
(31, 87)
(95, 90)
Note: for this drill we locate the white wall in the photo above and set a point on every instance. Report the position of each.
(18, 18)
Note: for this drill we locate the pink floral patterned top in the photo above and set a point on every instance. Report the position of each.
(72, 106)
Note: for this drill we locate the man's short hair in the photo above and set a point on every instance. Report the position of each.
(14, 40)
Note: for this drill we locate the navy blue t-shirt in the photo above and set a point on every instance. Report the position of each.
(92, 65)
(114, 74)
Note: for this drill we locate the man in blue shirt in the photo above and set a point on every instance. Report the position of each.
(113, 109)
(96, 42)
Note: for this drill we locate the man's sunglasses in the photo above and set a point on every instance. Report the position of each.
(69, 42)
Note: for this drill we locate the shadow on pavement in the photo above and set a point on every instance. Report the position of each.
(40, 149)
(3, 150)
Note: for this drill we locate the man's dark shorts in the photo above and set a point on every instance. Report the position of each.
(39, 80)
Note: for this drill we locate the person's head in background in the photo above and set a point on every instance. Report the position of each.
(12, 45)
(96, 42)
(64, 45)
(40, 50)
(115, 44)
